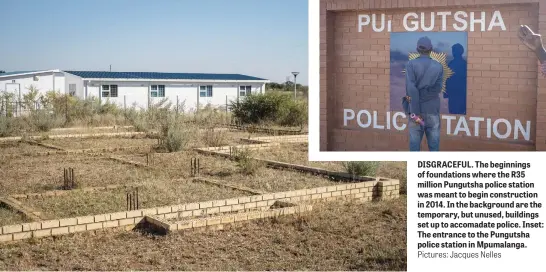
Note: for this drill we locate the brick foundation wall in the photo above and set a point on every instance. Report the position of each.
(282, 139)
(365, 191)
(503, 80)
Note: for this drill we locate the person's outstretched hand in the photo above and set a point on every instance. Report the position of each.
(532, 40)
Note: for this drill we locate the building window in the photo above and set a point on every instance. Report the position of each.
(245, 90)
(113, 90)
(109, 90)
(105, 90)
(205, 91)
(157, 91)
(72, 89)
(161, 89)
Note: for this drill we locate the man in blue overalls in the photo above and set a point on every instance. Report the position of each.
(424, 79)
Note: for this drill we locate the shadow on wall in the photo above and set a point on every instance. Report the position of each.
(456, 84)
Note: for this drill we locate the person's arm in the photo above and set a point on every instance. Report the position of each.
(412, 90)
(541, 54)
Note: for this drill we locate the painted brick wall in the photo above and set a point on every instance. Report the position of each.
(502, 82)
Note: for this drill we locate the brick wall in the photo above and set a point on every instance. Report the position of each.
(365, 191)
(502, 80)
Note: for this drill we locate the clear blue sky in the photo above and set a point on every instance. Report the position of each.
(264, 38)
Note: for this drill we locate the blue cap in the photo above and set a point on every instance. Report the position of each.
(424, 43)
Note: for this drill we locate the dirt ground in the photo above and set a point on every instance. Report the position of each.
(336, 236)
(150, 195)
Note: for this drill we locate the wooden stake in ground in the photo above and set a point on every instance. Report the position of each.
(149, 159)
(194, 167)
(132, 200)
(69, 179)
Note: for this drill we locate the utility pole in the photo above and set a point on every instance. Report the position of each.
(295, 83)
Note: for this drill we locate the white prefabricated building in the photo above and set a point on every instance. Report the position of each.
(140, 89)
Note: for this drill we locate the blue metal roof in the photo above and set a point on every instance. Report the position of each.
(156, 75)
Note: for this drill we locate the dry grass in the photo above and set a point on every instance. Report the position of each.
(395, 170)
(19, 147)
(177, 165)
(223, 137)
(337, 236)
(85, 143)
(150, 195)
(39, 174)
(178, 161)
(266, 179)
(9, 217)
(334, 236)
(297, 154)
(86, 130)
(199, 139)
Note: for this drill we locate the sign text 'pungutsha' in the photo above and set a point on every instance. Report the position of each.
(427, 21)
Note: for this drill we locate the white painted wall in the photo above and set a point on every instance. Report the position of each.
(186, 93)
(219, 94)
(230, 90)
(131, 93)
(72, 79)
(138, 93)
(45, 82)
(134, 94)
(60, 83)
(93, 91)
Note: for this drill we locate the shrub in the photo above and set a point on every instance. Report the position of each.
(175, 140)
(271, 107)
(294, 113)
(210, 116)
(42, 120)
(245, 162)
(173, 135)
(88, 111)
(214, 137)
(361, 168)
(138, 119)
(6, 126)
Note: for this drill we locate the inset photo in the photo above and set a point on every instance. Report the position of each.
(395, 77)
